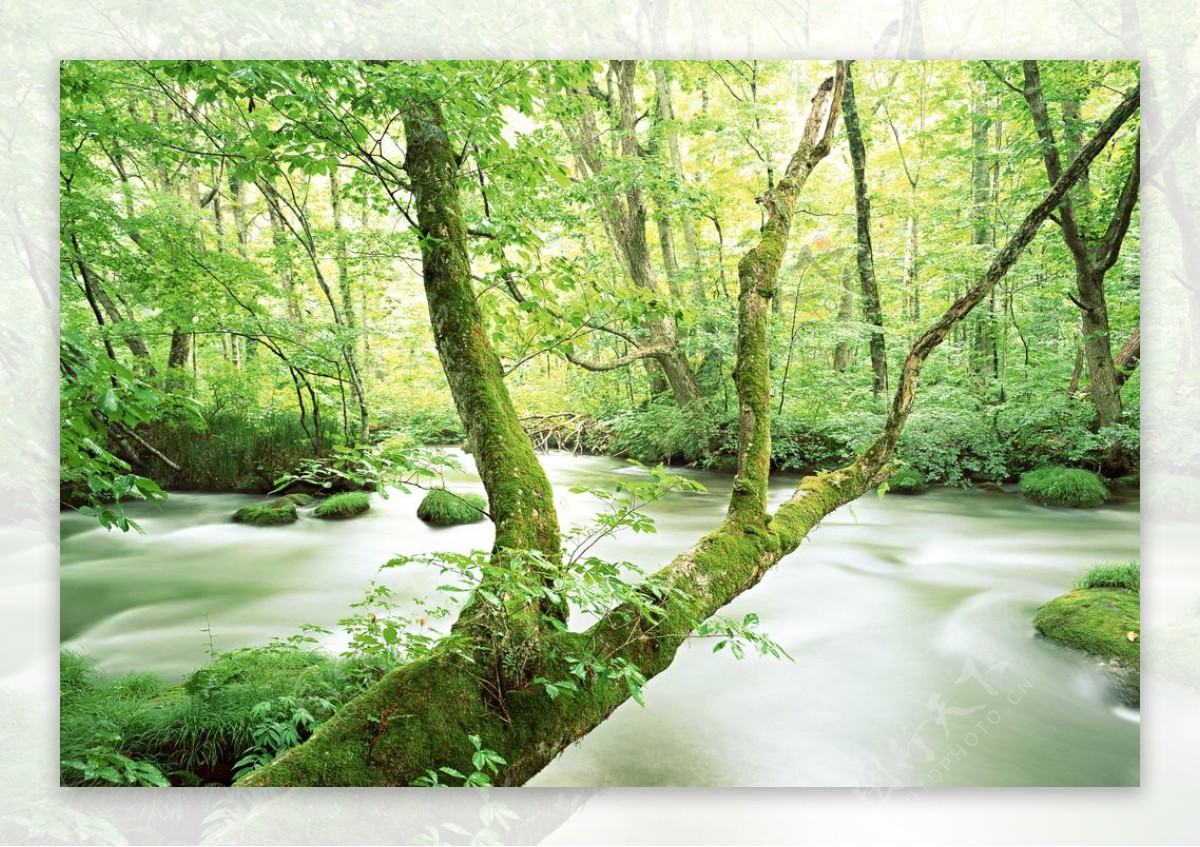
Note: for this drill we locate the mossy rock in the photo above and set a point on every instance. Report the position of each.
(1058, 486)
(444, 508)
(275, 513)
(342, 506)
(299, 498)
(1102, 622)
(907, 481)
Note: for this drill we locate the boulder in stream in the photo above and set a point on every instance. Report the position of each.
(341, 506)
(275, 513)
(445, 508)
(1101, 616)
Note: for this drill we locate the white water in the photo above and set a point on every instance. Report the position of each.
(908, 618)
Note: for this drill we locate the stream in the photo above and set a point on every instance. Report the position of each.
(908, 619)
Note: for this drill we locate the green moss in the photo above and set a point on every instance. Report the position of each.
(275, 513)
(340, 506)
(298, 499)
(444, 508)
(1127, 576)
(907, 481)
(1058, 486)
(1095, 620)
(1102, 622)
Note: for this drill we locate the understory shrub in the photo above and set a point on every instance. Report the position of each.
(907, 481)
(429, 425)
(228, 451)
(347, 505)
(954, 445)
(136, 730)
(1059, 486)
(445, 508)
(662, 433)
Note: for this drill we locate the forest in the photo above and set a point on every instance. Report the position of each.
(565, 306)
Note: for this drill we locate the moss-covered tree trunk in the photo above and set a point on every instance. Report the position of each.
(420, 715)
(864, 254)
(520, 500)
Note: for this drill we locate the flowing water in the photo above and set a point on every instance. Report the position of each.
(908, 618)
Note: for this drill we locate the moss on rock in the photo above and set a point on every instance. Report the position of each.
(1058, 486)
(299, 498)
(341, 506)
(907, 481)
(1102, 622)
(445, 508)
(275, 513)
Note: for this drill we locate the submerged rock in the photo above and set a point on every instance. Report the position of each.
(275, 513)
(1102, 622)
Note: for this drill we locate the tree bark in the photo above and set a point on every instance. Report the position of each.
(348, 321)
(841, 352)
(419, 716)
(984, 358)
(624, 219)
(865, 255)
(662, 83)
(520, 501)
(1093, 257)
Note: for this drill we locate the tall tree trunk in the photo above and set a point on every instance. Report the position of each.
(520, 500)
(841, 353)
(283, 262)
(864, 254)
(662, 83)
(624, 218)
(983, 360)
(1093, 257)
(350, 324)
(419, 716)
(181, 349)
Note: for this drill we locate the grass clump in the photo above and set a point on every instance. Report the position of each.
(275, 513)
(137, 730)
(1058, 486)
(341, 506)
(1127, 575)
(907, 481)
(445, 508)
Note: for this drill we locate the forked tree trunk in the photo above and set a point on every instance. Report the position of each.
(1093, 257)
(624, 217)
(420, 715)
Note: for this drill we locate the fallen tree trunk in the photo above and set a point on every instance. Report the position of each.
(420, 716)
